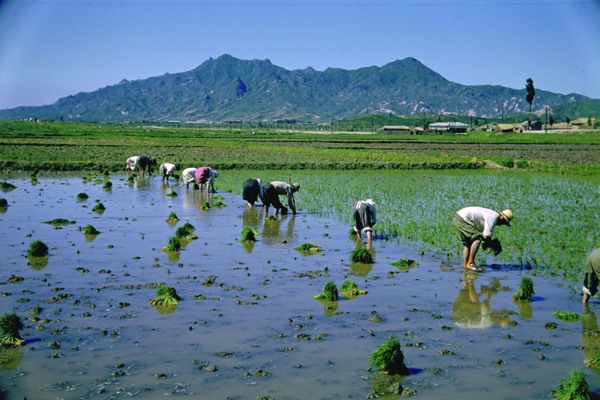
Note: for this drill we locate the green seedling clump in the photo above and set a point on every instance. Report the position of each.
(389, 358)
(206, 206)
(405, 264)
(349, 288)
(173, 245)
(361, 256)
(575, 387)
(99, 207)
(272, 218)
(172, 193)
(172, 218)
(7, 186)
(10, 330)
(525, 290)
(107, 185)
(219, 204)
(330, 292)
(90, 230)
(569, 316)
(309, 248)
(37, 249)
(59, 222)
(165, 296)
(186, 231)
(593, 362)
(248, 234)
(82, 196)
(3, 203)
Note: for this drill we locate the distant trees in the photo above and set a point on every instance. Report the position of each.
(530, 95)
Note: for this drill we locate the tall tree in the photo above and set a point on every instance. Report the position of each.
(529, 97)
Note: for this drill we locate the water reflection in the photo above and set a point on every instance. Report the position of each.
(361, 269)
(10, 358)
(590, 336)
(272, 227)
(470, 312)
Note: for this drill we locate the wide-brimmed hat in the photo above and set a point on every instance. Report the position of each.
(296, 186)
(507, 215)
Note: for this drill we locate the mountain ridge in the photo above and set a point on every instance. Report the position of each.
(227, 88)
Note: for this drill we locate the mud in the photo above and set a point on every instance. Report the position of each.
(246, 325)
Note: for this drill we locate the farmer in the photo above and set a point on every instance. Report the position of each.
(475, 224)
(206, 176)
(591, 275)
(189, 176)
(272, 191)
(364, 213)
(167, 170)
(142, 163)
(251, 190)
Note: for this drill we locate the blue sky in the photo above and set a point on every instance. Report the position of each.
(53, 48)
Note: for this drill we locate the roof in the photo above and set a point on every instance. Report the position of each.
(451, 124)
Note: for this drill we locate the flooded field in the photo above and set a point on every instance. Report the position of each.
(247, 326)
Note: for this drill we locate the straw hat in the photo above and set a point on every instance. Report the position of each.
(296, 186)
(507, 215)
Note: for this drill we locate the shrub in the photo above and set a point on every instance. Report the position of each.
(330, 292)
(525, 290)
(37, 249)
(361, 256)
(389, 358)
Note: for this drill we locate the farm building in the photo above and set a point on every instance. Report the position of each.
(448, 127)
(395, 129)
(509, 128)
(582, 123)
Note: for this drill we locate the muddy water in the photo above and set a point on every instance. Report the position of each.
(256, 331)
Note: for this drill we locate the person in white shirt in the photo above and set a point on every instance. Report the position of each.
(474, 225)
(166, 170)
(272, 191)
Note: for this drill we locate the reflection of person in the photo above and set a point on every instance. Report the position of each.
(591, 275)
(166, 170)
(252, 190)
(475, 224)
(365, 216)
(469, 312)
(272, 191)
(590, 336)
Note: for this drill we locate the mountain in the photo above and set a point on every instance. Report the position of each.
(230, 89)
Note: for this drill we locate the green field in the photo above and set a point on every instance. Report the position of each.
(70, 146)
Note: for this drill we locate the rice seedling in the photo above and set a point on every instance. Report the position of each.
(172, 245)
(525, 290)
(218, 204)
(172, 193)
(389, 358)
(90, 230)
(59, 222)
(248, 234)
(186, 232)
(593, 362)
(3, 203)
(82, 196)
(172, 218)
(10, 330)
(165, 296)
(362, 256)
(309, 248)
(7, 186)
(37, 248)
(206, 206)
(350, 289)
(574, 387)
(99, 208)
(107, 185)
(569, 316)
(405, 264)
(330, 292)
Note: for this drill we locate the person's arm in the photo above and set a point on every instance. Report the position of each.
(291, 201)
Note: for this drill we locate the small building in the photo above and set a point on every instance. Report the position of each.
(448, 127)
(509, 128)
(395, 129)
(583, 123)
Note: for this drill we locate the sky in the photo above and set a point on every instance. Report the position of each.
(50, 49)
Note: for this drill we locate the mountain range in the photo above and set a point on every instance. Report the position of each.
(230, 89)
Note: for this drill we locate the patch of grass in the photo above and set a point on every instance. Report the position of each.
(330, 292)
(389, 358)
(350, 289)
(37, 248)
(59, 222)
(525, 290)
(574, 387)
(248, 234)
(165, 296)
(10, 330)
(361, 255)
(90, 230)
(569, 316)
(309, 248)
(405, 264)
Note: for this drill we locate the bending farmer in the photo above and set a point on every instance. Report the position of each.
(365, 216)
